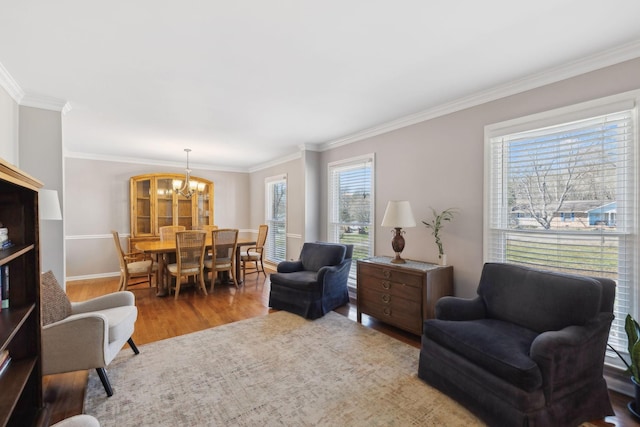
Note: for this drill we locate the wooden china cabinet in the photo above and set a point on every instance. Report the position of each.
(21, 400)
(155, 204)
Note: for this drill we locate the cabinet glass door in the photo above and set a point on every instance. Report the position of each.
(143, 207)
(204, 207)
(164, 205)
(185, 216)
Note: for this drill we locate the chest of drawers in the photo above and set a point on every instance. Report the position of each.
(402, 295)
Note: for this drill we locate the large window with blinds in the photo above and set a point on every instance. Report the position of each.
(276, 218)
(351, 207)
(562, 194)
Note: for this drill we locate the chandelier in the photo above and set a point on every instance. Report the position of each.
(189, 187)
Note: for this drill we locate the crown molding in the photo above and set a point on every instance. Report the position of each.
(46, 103)
(276, 162)
(570, 69)
(10, 85)
(149, 162)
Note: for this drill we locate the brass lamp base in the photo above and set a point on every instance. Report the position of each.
(397, 243)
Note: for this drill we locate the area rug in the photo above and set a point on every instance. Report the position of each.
(274, 370)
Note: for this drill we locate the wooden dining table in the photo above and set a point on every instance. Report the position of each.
(161, 248)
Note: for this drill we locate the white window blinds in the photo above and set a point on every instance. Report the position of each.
(276, 218)
(351, 206)
(564, 197)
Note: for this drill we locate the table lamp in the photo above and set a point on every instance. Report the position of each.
(398, 215)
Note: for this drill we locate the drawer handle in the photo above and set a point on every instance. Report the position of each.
(386, 284)
(386, 273)
(387, 311)
(386, 298)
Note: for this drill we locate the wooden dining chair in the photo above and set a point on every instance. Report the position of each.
(167, 234)
(190, 248)
(134, 265)
(224, 244)
(253, 255)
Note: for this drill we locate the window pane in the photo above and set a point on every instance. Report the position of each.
(276, 212)
(351, 207)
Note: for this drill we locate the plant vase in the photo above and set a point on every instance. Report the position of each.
(634, 405)
(442, 259)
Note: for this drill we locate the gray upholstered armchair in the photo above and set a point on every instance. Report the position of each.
(314, 284)
(527, 351)
(84, 335)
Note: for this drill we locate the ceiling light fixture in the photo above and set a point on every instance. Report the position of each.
(189, 187)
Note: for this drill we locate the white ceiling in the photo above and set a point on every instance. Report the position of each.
(245, 82)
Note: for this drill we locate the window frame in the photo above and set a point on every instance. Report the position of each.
(270, 247)
(333, 207)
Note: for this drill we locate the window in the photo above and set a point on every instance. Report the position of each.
(276, 218)
(351, 207)
(561, 194)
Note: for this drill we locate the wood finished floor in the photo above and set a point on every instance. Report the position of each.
(161, 318)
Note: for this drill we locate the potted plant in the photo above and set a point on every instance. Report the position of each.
(632, 329)
(436, 224)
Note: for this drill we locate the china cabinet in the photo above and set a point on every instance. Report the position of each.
(21, 400)
(154, 204)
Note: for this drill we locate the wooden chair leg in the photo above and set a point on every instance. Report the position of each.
(102, 373)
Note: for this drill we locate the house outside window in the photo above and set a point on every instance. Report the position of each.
(276, 218)
(351, 207)
(561, 193)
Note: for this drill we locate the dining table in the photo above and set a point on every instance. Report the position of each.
(160, 248)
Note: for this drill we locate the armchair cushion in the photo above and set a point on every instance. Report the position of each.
(55, 304)
(499, 347)
(314, 256)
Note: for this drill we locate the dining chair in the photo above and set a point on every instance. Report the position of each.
(224, 243)
(254, 254)
(168, 234)
(190, 247)
(134, 265)
(208, 228)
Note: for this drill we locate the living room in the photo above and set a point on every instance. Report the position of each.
(432, 157)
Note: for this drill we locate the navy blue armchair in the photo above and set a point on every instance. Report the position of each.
(527, 351)
(314, 284)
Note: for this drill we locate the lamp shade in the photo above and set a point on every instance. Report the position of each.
(398, 214)
(49, 205)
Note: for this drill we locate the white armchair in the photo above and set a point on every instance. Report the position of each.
(84, 335)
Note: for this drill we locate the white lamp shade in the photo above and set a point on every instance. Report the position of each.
(49, 205)
(398, 214)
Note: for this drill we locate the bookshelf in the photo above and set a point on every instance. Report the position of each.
(21, 400)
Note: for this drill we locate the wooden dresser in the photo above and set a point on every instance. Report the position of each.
(402, 295)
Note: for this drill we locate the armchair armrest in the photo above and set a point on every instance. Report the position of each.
(455, 308)
(337, 275)
(78, 342)
(104, 302)
(567, 356)
(289, 266)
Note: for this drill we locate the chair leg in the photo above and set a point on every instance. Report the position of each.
(133, 346)
(261, 268)
(102, 373)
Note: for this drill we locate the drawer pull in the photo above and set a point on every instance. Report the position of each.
(386, 273)
(386, 298)
(386, 284)
(387, 311)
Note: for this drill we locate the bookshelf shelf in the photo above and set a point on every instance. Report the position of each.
(21, 400)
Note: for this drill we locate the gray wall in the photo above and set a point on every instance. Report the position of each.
(8, 128)
(439, 163)
(40, 152)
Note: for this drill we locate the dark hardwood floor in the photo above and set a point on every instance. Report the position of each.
(161, 318)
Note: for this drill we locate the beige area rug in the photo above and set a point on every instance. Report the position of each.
(274, 370)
